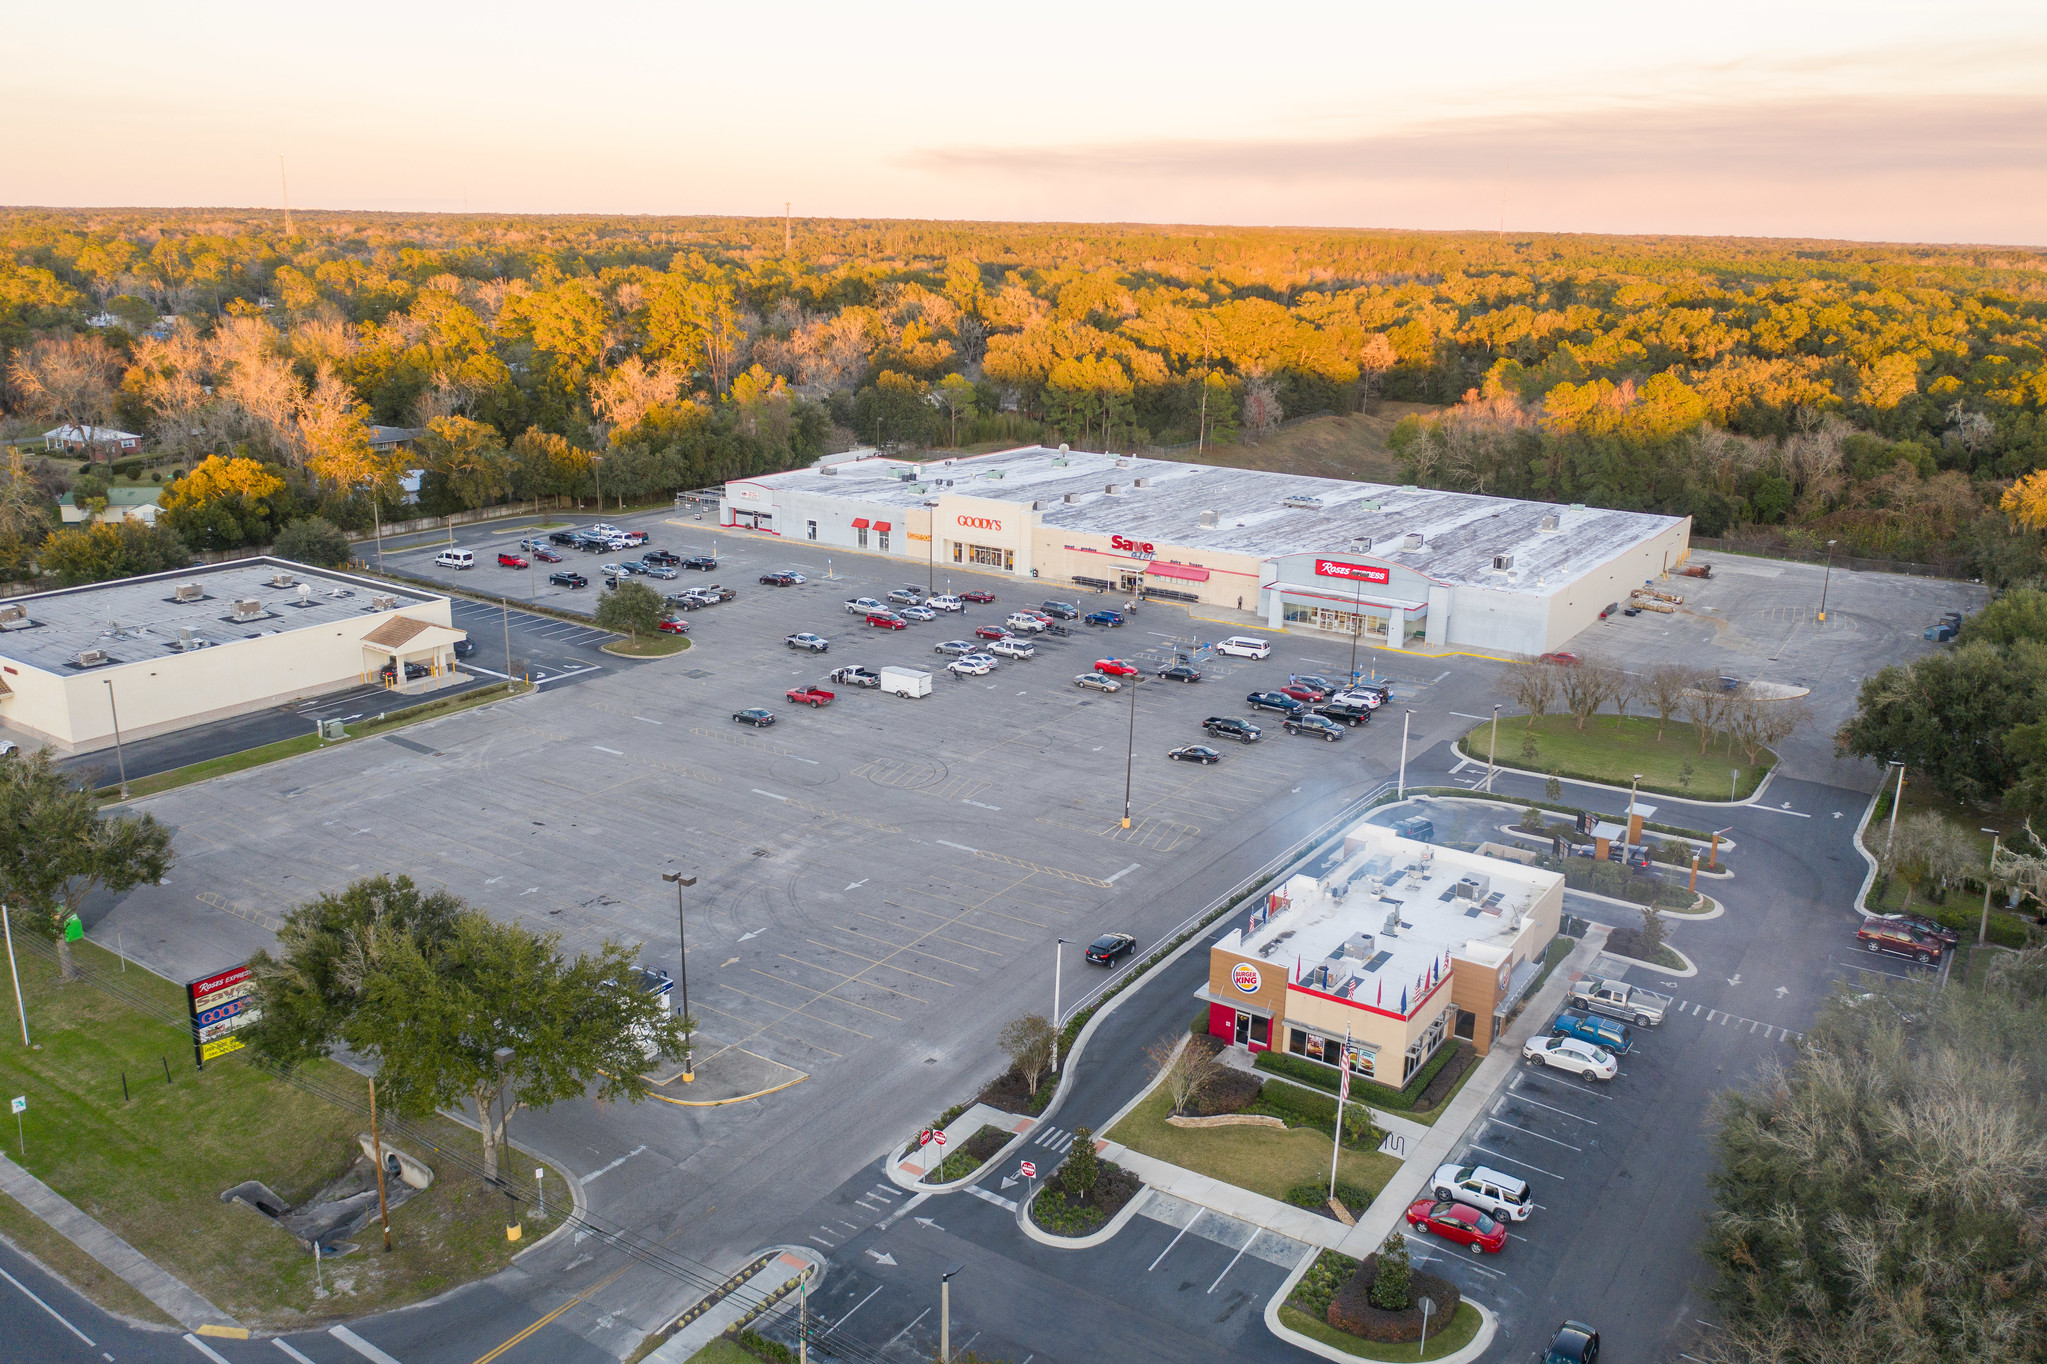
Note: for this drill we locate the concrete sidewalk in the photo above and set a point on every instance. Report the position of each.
(147, 1277)
(1431, 1150)
(1286, 1219)
(743, 1300)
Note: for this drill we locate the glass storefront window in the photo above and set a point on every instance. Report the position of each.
(862, 534)
(883, 537)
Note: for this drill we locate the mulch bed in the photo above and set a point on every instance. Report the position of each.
(1055, 1209)
(1009, 1093)
(1627, 943)
(1351, 1309)
(1446, 1078)
(1230, 1092)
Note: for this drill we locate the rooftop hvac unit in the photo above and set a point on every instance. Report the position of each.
(1474, 887)
(1123, 463)
(1208, 519)
(1577, 506)
(383, 603)
(1409, 488)
(1362, 545)
(827, 468)
(248, 608)
(90, 658)
(188, 641)
(281, 579)
(1038, 504)
(1144, 483)
(1113, 488)
(189, 592)
(13, 617)
(1548, 522)
(1302, 501)
(992, 473)
(916, 487)
(1060, 463)
(1370, 504)
(1073, 497)
(1413, 540)
(1502, 562)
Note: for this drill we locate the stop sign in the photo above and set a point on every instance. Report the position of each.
(1029, 1171)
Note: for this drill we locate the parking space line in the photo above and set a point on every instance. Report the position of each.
(804, 1007)
(954, 919)
(872, 962)
(1511, 1161)
(849, 980)
(910, 946)
(1233, 1260)
(759, 1028)
(971, 947)
(1522, 1098)
(849, 1315)
(906, 1330)
(1169, 1246)
(1502, 1122)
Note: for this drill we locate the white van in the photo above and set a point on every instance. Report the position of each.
(455, 558)
(1243, 646)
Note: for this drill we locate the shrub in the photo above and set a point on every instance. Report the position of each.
(1083, 1166)
(760, 1347)
(1315, 1197)
(1366, 1091)
(1389, 1281)
(1231, 1091)
(1301, 1106)
(313, 540)
(1324, 1279)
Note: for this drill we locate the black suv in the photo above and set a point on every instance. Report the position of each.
(1110, 946)
(666, 558)
(703, 561)
(562, 537)
(1345, 714)
(1063, 610)
(1229, 726)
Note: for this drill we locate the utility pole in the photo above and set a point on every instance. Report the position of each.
(1826, 582)
(1057, 957)
(1404, 719)
(1983, 929)
(803, 1318)
(507, 609)
(945, 1315)
(7, 926)
(1492, 746)
(1130, 756)
(377, 1147)
(119, 759)
(1897, 799)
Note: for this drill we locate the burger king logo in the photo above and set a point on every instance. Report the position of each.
(1245, 977)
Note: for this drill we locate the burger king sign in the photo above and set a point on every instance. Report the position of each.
(1245, 977)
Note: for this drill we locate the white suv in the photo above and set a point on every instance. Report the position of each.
(861, 606)
(946, 602)
(1487, 1190)
(1013, 648)
(1370, 700)
(1243, 646)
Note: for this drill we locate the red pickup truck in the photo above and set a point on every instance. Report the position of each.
(811, 696)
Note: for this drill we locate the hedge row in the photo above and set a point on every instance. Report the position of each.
(1364, 1091)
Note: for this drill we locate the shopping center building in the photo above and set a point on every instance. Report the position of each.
(144, 656)
(1400, 948)
(1397, 565)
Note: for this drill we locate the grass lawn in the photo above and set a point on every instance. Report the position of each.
(1261, 1159)
(722, 1351)
(1456, 1334)
(152, 1166)
(648, 646)
(1610, 753)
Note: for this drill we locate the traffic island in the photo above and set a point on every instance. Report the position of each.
(1079, 1202)
(1332, 1305)
(1611, 751)
(729, 1075)
(1269, 1161)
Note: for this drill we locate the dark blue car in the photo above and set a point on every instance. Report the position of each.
(1103, 618)
(1600, 1032)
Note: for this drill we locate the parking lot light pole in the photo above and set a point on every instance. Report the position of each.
(1057, 956)
(945, 1314)
(678, 880)
(1983, 929)
(1404, 719)
(1896, 799)
(1826, 582)
(1492, 746)
(598, 478)
(1130, 756)
(503, 1057)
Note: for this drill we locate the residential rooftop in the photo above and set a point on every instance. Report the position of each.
(132, 619)
(1259, 513)
(1447, 901)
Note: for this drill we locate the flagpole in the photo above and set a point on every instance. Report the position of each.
(1342, 1093)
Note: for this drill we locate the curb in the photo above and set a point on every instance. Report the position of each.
(1513, 832)
(1868, 876)
(1488, 1325)
(1691, 967)
(1761, 788)
(1093, 1238)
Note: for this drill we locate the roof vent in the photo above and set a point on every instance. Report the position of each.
(1362, 545)
(248, 608)
(190, 592)
(1123, 463)
(1413, 540)
(1548, 523)
(1208, 519)
(1113, 488)
(1577, 506)
(282, 579)
(1409, 488)
(383, 603)
(1144, 483)
(90, 658)
(1502, 562)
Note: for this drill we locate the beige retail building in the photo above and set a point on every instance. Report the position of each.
(1399, 565)
(170, 650)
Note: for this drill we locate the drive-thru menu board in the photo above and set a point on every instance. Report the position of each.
(222, 1005)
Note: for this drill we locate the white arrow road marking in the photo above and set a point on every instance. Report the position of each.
(1096, 749)
(1126, 871)
(1734, 979)
(857, 884)
(882, 1258)
(493, 880)
(530, 890)
(928, 1223)
(1783, 990)
(612, 751)
(755, 934)
(1837, 814)
(981, 804)
(1008, 1182)
(769, 794)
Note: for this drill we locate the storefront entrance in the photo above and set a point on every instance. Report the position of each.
(988, 556)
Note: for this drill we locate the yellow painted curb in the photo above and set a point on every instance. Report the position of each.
(737, 1099)
(225, 1332)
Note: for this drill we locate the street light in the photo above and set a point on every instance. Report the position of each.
(945, 1314)
(1826, 581)
(1057, 957)
(1492, 746)
(122, 762)
(503, 1057)
(598, 476)
(1404, 719)
(678, 880)
(1983, 929)
(1130, 757)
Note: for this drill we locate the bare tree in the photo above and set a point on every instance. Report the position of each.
(1185, 1068)
(1704, 705)
(1375, 359)
(1028, 1043)
(1757, 723)
(1534, 689)
(1260, 406)
(1586, 688)
(1662, 689)
(67, 379)
(1626, 688)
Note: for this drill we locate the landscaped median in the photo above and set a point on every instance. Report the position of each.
(1337, 1289)
(1611, 750)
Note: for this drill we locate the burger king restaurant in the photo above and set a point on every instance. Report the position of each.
(1399, 949)
(1398, 566)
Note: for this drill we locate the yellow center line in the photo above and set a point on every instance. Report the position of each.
(582, 1297)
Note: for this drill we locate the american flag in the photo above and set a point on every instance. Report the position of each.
(1343, 1085)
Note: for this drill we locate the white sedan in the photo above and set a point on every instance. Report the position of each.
(973, 665)
(1569, 1053)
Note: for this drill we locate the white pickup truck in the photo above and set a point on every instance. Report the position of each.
(1618, 999)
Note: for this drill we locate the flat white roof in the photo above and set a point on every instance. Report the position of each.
(1355, 934)
(1461, 532)
(132, 619)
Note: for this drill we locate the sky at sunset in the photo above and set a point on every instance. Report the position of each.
(1872, 120)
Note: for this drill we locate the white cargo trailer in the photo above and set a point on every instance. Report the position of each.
(906, 681)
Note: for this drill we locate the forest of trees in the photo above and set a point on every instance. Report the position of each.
(1879, 396)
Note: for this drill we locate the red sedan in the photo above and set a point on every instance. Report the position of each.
(674, 627)
(977, 595)
(1458, 1222)
(1115, 667)
(510, 561)
(1569, 660)
(547, 556)
(991, 632)
(881, 620)
(1301, 691)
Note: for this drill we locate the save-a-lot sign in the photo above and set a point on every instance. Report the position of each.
(1363, 573)
(221, 1005)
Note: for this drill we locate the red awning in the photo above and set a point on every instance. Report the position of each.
(1192, 575)
(881, 526)
(859, 523)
